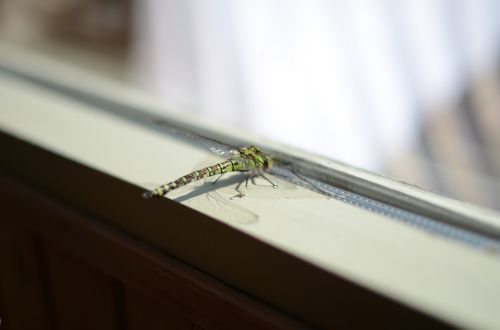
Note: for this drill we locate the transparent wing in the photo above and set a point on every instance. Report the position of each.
(216, 147)
(283, 168)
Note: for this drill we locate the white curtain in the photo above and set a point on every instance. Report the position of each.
(347, 79)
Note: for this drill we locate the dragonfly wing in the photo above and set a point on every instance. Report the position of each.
(214, 146)
(284, 170)
(218, 150)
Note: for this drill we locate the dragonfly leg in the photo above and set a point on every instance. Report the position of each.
(237, 188)
(274, 185)
(251, 176)
(218, 178)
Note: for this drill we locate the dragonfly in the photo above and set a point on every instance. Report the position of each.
(251, 160)
(246, 159)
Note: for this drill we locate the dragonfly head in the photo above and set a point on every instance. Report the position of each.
(268, 161)
(262, 160)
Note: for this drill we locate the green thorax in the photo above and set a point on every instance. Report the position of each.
(253, 159)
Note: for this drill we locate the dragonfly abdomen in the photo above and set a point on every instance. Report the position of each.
(229, 165)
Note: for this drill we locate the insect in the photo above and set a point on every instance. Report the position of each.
(247, 159)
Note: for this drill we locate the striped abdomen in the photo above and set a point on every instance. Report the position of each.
(229, 165)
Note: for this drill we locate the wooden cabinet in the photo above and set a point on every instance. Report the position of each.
(64, 269)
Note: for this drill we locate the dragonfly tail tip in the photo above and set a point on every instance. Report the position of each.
(147, 195)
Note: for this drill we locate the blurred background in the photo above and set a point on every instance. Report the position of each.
(409, 89)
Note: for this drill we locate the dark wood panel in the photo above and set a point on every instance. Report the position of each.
(2, 304)
(83, 298)
(145, 313)
(24, 300)
(84, 258)
(174, 285)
